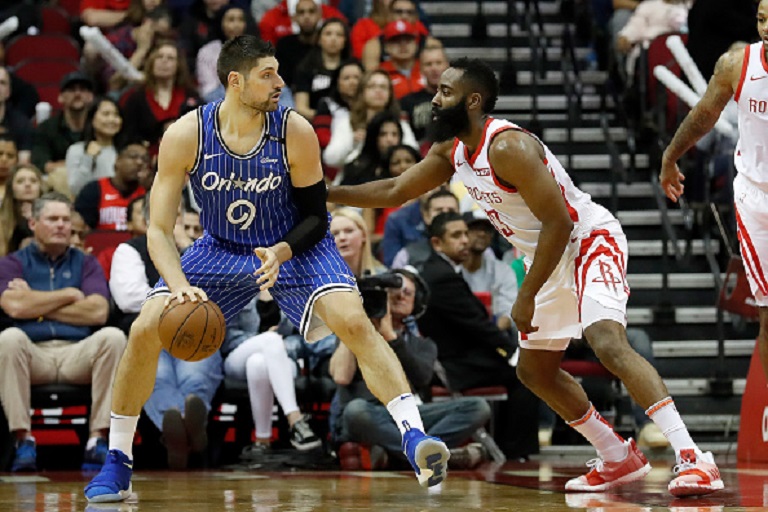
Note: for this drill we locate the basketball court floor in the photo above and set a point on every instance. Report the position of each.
(535, 485)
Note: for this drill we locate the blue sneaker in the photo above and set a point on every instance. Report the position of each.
(26, 456)
(428, 455)
(113, 483)
(94, 458)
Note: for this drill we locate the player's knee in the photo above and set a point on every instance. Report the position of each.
(144, 330)
(355, 330)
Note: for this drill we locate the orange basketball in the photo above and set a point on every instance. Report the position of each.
(192, 330)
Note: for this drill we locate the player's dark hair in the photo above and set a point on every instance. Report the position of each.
(479, 77)
(241, 54)
(438, 226)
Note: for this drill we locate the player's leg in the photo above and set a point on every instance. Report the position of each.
(619, 461)
(343, 313)
(752, 227)
(133, 384)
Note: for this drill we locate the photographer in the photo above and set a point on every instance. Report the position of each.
(393, 301)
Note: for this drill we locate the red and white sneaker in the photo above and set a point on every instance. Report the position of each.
(696, 473)
(605, 475)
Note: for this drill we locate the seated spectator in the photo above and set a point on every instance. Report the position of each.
(103, 13)
(80, 231)
(277, 23)
(344, 89)
(137, 226)
(397, 160)
(196, 26)
(146, 24)
(54, 135)
(353, 241)
(315, 72)
(455, 316)
(374, 52)
(401, 42)
(370, 27)
(360, 418)
(94, 156)
(165, 95)
(25, 185)
(649, 20)
(12, 121)
(261, 360)
(418, 250)
(231, 21)
(103, 203)
(383, 132)
(9, 158)
(487, 274)
(348, 133)
(307, 18)
(418, 105)
(187, 228)
(47, 288)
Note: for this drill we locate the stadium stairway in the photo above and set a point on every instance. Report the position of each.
(681, 318)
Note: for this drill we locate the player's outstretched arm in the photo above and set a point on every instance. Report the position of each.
(178, 150)
(700, 120)
(518, 159)
(433, 171)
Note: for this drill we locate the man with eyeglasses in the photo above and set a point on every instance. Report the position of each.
(103, 203)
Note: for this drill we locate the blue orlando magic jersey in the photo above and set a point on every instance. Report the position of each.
(245, 199)
(246, 203)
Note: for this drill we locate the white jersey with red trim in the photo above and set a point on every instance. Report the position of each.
(505, 208)
(751, 155)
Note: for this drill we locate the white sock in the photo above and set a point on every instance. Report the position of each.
(121, 432)
(609, 445)
(405, 412)
(665, 415)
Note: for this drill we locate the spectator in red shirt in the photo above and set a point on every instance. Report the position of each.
(401, 42)
(277, 22)
(104, 13)
(371, 47)
(104, 203)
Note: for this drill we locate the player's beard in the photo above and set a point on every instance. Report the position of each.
(259, 106)
(448, 122)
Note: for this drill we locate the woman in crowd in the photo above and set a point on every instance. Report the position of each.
(25, 184)
(348, 133)
(166, 94)
(383, 132)
(353, 241)
(314, 74)
(9, 157)
(231, 21)
(94, 157)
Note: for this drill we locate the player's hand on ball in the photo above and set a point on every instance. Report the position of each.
(522, 314)
(269, 270)
(192, 292)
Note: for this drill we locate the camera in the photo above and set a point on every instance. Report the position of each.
(374, 292)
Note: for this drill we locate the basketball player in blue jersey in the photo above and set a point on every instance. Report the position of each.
(255, 171)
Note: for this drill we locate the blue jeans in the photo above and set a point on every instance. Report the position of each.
(176, 379)
(453, 421)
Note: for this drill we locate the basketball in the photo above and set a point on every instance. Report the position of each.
(190, 330)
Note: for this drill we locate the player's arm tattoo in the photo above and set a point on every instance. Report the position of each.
(702, 118)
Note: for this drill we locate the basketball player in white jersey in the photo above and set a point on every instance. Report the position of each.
(743, 75)
(576, 256)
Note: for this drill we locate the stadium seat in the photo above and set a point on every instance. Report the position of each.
(101, 240)
(47, 46)
(55, 21)
(71, 7)
(44, 71)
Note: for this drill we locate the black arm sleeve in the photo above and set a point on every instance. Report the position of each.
(314, 218)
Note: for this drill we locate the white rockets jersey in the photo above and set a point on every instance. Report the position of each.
(751, 155)
(505, 208)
